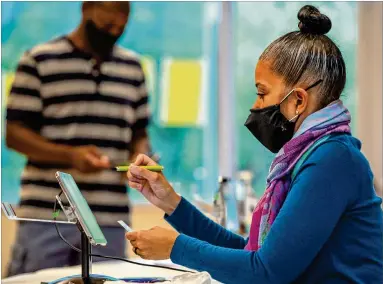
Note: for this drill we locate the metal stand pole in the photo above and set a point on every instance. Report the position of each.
(226, 112)
(86, 259)
(226, 100)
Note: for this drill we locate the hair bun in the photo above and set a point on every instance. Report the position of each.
(311, 21)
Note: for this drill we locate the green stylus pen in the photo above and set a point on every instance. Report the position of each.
(150, 168)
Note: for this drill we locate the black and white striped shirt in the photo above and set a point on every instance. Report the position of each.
(60, 93)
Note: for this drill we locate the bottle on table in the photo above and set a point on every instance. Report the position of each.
(219, 205)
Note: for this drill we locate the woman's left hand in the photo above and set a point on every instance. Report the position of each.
(155, 244)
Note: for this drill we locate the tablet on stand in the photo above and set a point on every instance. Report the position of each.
(79, 213)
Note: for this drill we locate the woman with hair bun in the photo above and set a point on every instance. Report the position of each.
(319, 220)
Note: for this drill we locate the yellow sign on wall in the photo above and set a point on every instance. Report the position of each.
(182, 92)
(8, 78)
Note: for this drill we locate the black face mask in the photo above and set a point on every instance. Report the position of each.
(100, 41)
(270, 126)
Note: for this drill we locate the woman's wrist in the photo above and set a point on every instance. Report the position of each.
(173, 202)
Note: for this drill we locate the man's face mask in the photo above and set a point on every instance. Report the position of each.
(100, 41)
(271, 127)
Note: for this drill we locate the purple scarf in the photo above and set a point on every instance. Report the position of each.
(334, 118)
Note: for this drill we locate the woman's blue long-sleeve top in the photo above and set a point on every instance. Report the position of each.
(329, 230)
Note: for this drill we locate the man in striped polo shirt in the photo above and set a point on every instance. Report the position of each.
(78, 104)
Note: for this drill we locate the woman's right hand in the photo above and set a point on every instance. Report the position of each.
(152, 185)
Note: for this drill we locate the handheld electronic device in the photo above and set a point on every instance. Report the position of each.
(125, 226)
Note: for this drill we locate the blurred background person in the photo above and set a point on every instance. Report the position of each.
(78, 104)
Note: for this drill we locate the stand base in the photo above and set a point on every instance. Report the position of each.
(77, 279)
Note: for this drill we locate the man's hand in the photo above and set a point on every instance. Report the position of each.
(88, 159)
(37, 148)
(155, 244)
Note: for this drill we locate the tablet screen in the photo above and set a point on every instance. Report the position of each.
(81, 208)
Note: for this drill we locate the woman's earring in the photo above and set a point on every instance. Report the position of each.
(295, 116)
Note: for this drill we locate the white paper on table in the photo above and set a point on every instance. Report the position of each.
(192, 278)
